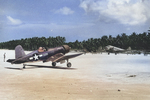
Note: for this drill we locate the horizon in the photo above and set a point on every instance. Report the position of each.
(75, 40)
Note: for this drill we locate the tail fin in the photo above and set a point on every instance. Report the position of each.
(19, 52)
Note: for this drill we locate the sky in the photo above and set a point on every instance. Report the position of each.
(72, 19)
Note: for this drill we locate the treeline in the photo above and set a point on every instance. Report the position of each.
(34, 43)
(135, 41)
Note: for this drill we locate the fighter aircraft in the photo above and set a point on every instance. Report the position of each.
(55, 55)
(113, 49)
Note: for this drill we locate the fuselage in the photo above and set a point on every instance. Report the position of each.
(110, 48)
(40, 56)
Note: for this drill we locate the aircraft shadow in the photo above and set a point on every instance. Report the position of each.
(41, 66)
(56, 67)
(14, 68)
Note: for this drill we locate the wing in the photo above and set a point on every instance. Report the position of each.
(66, 57)
(54, 57)
(59, 57)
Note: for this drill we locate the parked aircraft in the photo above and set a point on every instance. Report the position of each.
(113, 49)
(55, 55)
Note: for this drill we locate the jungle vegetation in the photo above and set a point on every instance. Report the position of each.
(135, 41)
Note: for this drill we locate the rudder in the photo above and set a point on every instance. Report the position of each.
(19, 52)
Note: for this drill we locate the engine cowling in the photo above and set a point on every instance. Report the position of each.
(67, 48)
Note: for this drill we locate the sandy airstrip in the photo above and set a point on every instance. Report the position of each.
(91, 77)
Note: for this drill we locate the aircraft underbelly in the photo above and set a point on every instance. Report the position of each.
(62, 61)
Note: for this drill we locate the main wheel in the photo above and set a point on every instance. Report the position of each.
(68, 64)
(53, 64)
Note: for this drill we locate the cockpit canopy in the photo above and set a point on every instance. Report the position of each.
(41, 49)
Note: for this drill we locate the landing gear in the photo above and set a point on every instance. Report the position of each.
(53, 64)
(24, 66)
(69, 64)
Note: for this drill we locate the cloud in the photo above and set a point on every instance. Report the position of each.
(64, 11)
(13, 21)
(129, 12)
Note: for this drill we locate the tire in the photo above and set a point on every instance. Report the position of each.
(53, 64)
(24, 66)
(69, 64)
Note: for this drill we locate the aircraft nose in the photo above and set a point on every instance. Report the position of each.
(67, 48)
(106, 48)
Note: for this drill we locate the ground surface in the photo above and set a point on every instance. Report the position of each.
(91, 77)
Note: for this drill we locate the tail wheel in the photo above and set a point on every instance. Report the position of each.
(24, 66)
(68, 64)
(53, 64)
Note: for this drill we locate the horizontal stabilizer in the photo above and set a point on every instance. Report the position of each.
(10, 60)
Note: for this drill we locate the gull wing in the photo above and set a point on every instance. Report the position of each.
(66, 57)
(60, 56)
(54, 57)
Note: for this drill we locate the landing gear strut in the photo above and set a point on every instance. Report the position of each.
(68, 63)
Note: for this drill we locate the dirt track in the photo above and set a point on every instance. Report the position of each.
(81, 82)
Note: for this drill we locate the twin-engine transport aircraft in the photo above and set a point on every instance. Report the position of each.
(113, 49)
(55, 55)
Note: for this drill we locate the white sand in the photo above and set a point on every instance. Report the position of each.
(91, 77)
